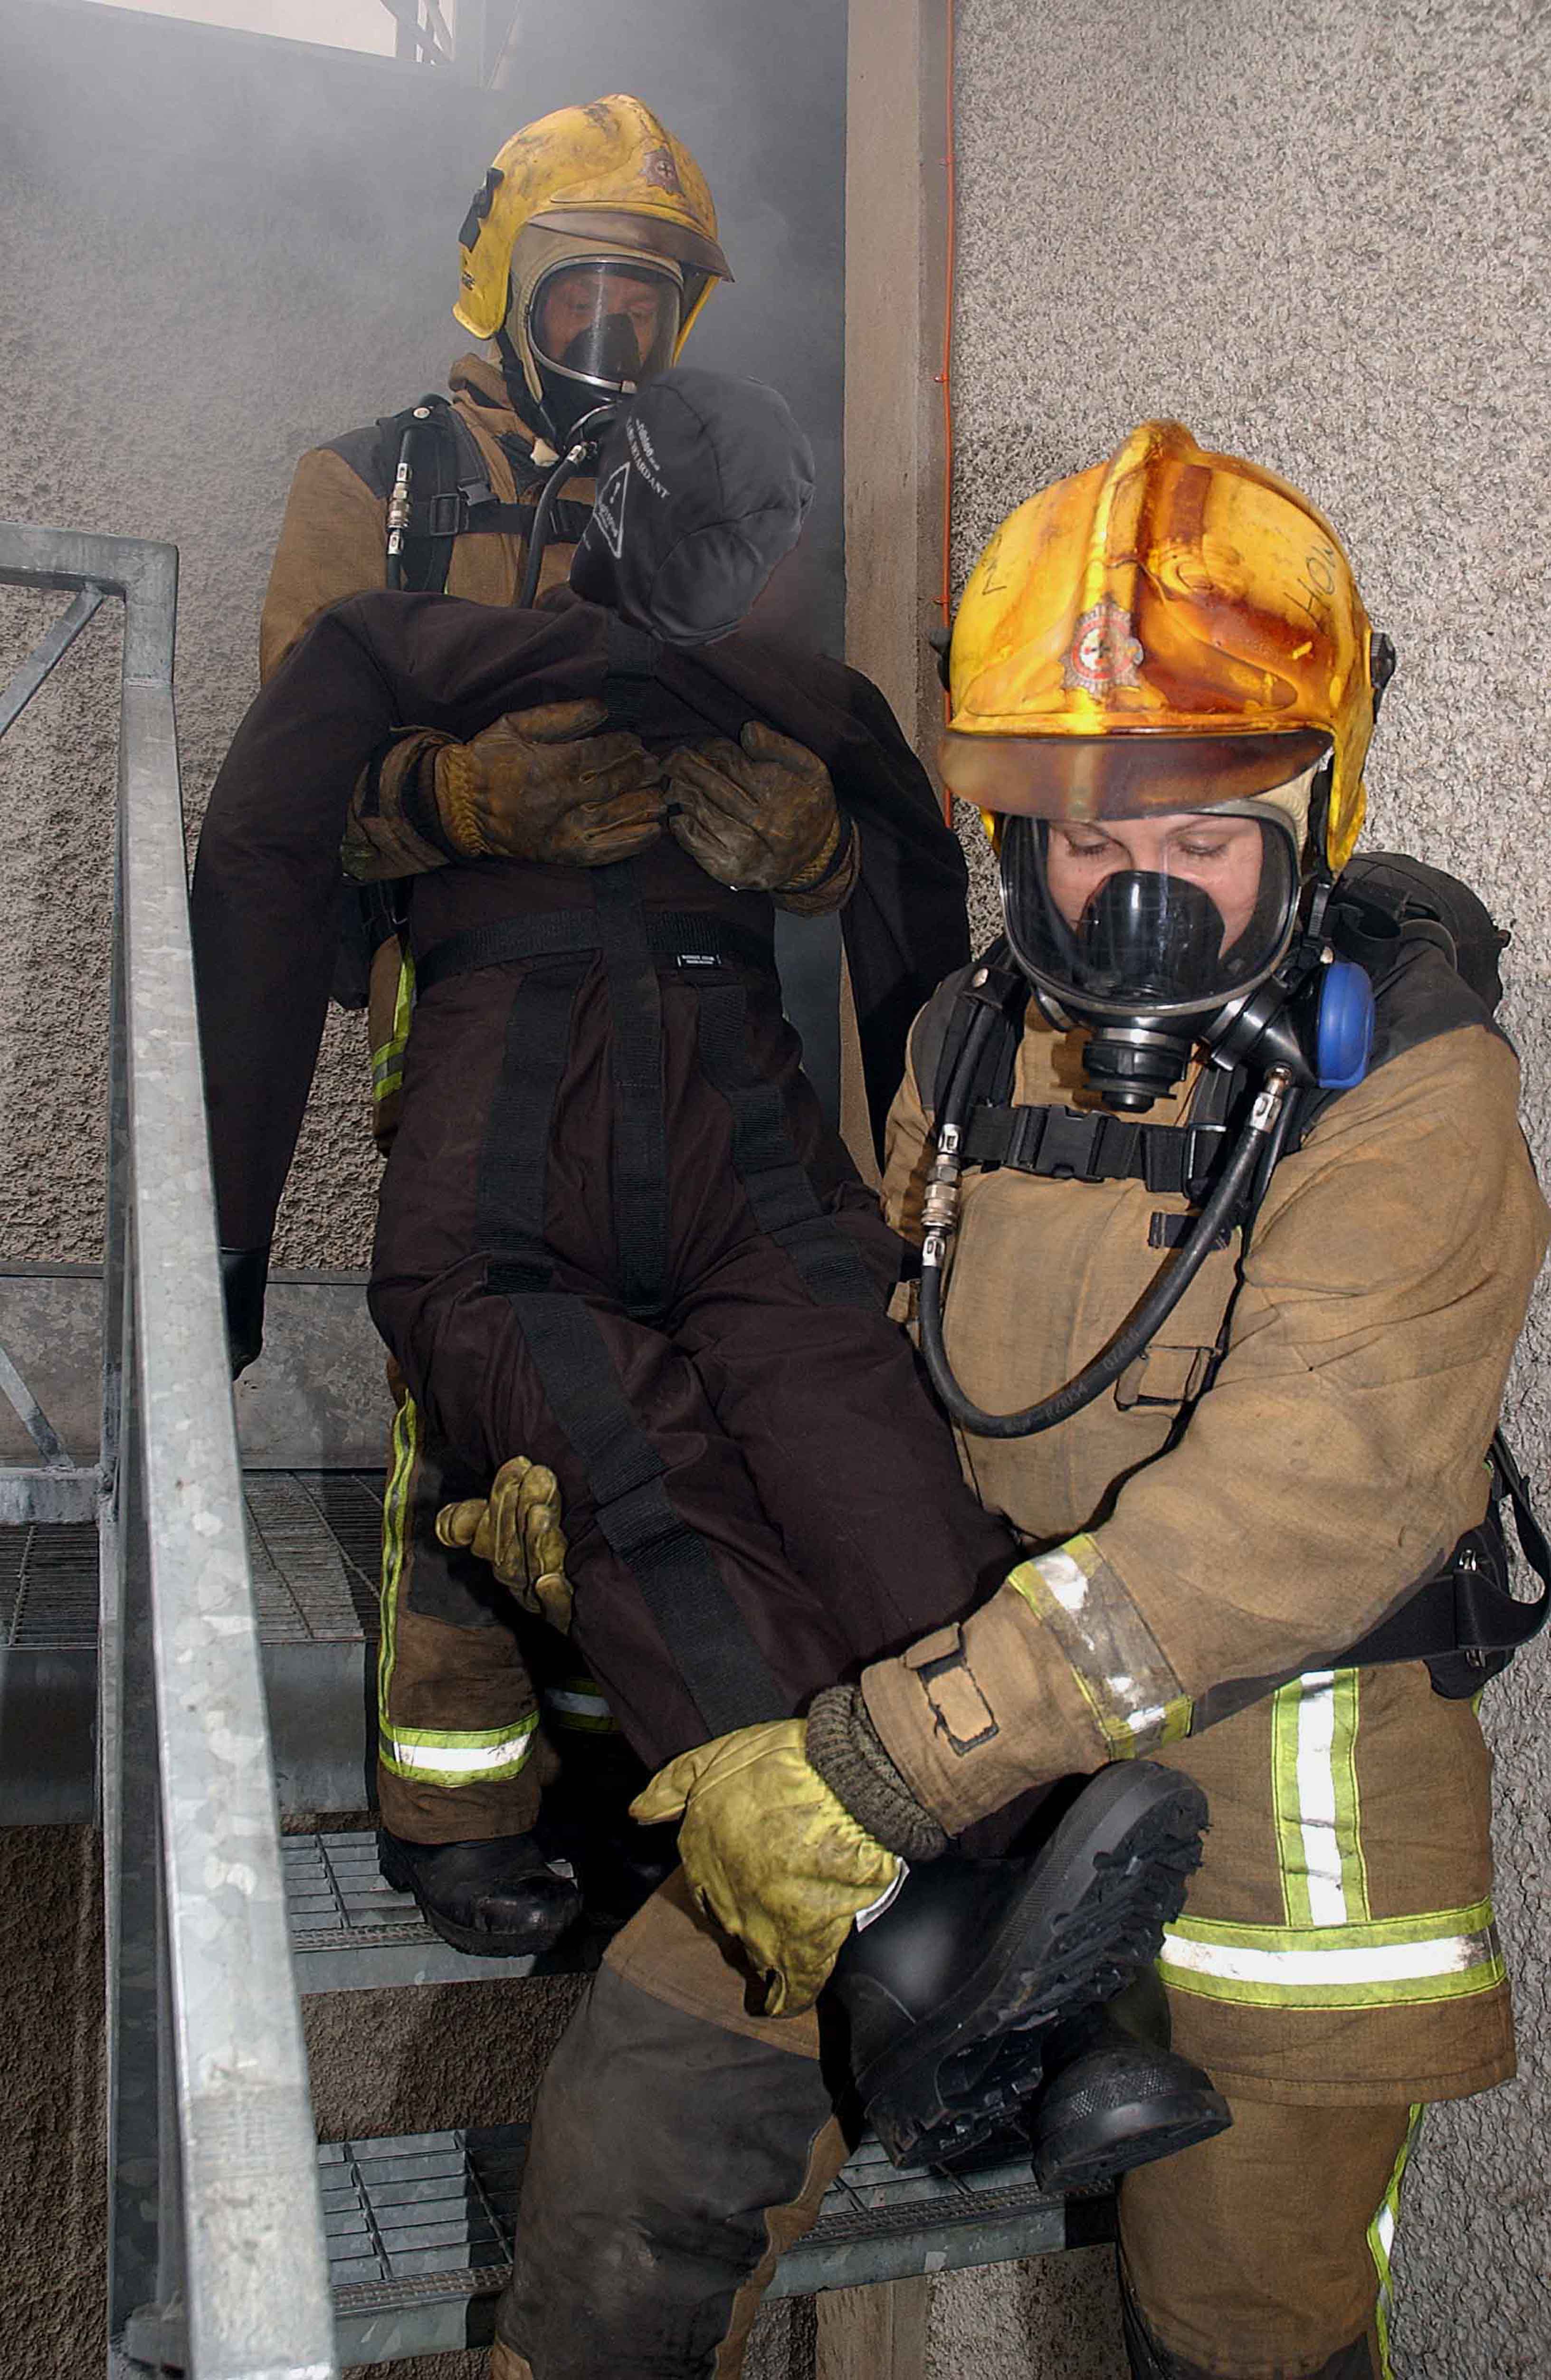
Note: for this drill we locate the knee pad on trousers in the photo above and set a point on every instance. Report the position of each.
(1150, 2360)
(666, 2153)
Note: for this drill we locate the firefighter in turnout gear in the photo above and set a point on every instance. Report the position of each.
(1220, 1158)
(584, 258)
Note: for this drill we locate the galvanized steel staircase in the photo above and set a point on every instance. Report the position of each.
(186, 1645)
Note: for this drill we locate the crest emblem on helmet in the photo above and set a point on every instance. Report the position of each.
(1103, 652)
(657, 166)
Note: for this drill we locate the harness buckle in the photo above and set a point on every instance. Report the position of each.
(1060, 1143)
(445, 514)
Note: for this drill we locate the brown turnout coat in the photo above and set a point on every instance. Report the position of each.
(1337, 1941)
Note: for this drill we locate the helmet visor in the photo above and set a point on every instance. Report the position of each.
(1121, 775)
(605, 325)
(1163, 916)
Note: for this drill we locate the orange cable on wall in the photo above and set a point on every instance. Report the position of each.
(945, 376)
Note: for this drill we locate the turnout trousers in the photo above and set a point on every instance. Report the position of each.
(679, 2145)
(616, 1235)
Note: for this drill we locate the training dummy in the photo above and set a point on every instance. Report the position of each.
(617, 1237)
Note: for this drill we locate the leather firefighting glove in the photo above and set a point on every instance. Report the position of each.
(538, 784)
(772, 1851)
(760, 815)
(516, 1529)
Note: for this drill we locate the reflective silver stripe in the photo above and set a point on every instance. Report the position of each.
(576, 1706)
(1313, 1724)
(1137, 1700)
(1446, 1954)
(448, 1755)
(1387, 1962)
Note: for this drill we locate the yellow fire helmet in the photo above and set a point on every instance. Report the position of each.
(611, 176)
(1169, 629)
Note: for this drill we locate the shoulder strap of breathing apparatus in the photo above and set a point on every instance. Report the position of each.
(426, 464)
(1413, 955)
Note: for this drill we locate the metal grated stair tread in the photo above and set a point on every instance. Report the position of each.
(314, 1538)
(419, 2230)
(351, 1932)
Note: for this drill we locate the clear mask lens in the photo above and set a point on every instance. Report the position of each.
(604, 323)
(1167, 915)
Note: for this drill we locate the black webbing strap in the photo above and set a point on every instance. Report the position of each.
(775, 1182)
(683, 940)
(640, 1166)
(706, 1635)
(1083, 1145)
(514, 1160)
(1469, 1605)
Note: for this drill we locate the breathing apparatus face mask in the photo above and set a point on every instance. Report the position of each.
(599, 328)
(1152, 930)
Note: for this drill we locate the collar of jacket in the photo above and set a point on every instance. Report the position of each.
(480, 396)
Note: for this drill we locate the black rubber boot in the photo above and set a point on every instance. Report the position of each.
(1116, 2096)
(586, 1821)
(950, 1993)
(496, 1899)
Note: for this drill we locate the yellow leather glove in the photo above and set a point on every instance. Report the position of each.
(771, 1852)
(516, 1529)
(759, 815)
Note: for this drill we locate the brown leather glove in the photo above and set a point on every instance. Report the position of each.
(516, 1529)
(538, 784)
(543, 785)
(760, 815)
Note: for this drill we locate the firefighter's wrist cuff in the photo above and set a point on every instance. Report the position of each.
(829, 879)
(393, 828)
(843, 1747)
(974, 1715)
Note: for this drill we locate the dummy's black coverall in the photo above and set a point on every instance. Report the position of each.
(616, 1232)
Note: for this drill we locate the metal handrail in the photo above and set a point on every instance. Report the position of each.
(216, 2255)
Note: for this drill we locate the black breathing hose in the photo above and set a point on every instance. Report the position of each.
(941, 1214)
(585, 441)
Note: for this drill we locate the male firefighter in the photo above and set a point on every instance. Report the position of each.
(585, 258)
(1247, 1231)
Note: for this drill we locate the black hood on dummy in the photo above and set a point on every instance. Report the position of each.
(702, 486)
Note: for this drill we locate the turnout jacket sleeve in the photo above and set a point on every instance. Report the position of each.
(1334, 1461)
(332, 542)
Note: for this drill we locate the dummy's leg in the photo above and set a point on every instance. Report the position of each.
(1265, 2254)
(457, 1745)
(678, 2145)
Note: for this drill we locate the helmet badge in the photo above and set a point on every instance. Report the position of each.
(657, 166)
(1104, 651)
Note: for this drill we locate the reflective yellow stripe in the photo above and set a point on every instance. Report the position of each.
(1445, 1954)
(1381, 2243)
(1313, 1761)
(405, 1445)
(387, 1060)
(444, 1756)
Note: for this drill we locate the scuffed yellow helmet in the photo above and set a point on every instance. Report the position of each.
(1169, 629)
(608, 173)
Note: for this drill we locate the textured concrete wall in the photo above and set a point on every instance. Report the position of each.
(1317, 233)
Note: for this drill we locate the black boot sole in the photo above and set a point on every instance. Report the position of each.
(1091, 1913)
(528, 1941)
(1098, 2151)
